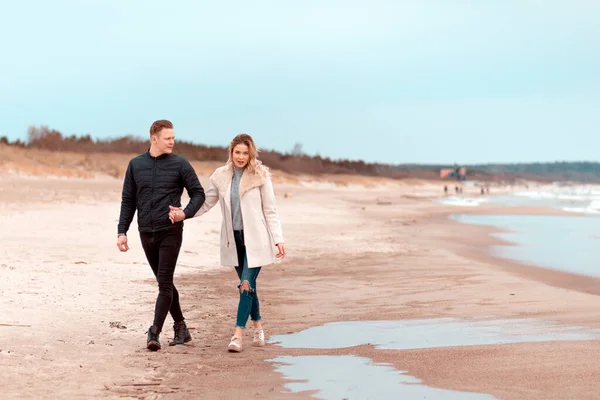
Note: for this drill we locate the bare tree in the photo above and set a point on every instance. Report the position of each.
(297, 150)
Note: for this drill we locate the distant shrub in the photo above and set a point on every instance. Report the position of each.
(297, 162)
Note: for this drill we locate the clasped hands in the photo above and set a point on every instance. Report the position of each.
(176, 214)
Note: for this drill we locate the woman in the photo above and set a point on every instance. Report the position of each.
(250, 231)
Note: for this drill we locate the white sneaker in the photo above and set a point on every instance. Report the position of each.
(235, 345)
(259, 338)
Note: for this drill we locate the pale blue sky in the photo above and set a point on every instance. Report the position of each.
(425, 81)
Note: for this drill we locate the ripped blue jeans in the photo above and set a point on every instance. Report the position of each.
(249, 305)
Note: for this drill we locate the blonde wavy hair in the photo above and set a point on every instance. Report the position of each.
(253, 162)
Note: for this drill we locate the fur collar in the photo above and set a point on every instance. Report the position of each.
(222, 176)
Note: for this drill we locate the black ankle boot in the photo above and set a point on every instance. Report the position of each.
(153, 341)
(182, 334)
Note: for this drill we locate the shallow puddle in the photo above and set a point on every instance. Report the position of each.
(351, 377)
(428, 333)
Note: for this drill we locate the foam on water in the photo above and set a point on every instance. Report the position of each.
(580, 199)
(592, 208)
(582, 192)
(463, 201)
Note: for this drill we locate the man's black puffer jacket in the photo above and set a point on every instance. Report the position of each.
(151, 185)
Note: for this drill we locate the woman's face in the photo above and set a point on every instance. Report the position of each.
(240, 155)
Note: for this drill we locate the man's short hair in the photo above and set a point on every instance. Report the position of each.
(159, 125)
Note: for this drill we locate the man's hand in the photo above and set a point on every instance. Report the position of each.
(281, 253)
(176, 214)
(122, 243)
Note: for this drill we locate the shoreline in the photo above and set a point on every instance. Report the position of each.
(351, 257)
(481, 240)
(534, 277)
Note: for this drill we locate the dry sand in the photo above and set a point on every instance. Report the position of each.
(74, 309)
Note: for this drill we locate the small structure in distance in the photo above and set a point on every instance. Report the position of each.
(459, 173)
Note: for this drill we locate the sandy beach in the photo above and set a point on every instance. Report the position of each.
(75, 310)
(436, 175)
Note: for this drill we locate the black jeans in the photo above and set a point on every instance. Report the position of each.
(162, 251)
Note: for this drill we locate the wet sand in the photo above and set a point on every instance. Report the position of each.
(74, 309)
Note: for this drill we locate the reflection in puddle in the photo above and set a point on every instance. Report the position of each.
(442, 332)
(350, 377)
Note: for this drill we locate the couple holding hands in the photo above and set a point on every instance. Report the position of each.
(251, 234)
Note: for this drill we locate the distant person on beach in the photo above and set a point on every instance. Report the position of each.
(445, 190)
(155, 180)
(251, 234)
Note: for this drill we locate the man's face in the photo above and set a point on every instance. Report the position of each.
(164, 141)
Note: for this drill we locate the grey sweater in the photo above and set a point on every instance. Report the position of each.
(236, 211)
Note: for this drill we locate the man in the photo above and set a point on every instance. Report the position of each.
(154, 181)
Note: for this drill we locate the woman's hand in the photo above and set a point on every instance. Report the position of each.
(176, 214)
(281, 253)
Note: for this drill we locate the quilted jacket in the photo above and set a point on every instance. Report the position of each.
(151, 185)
